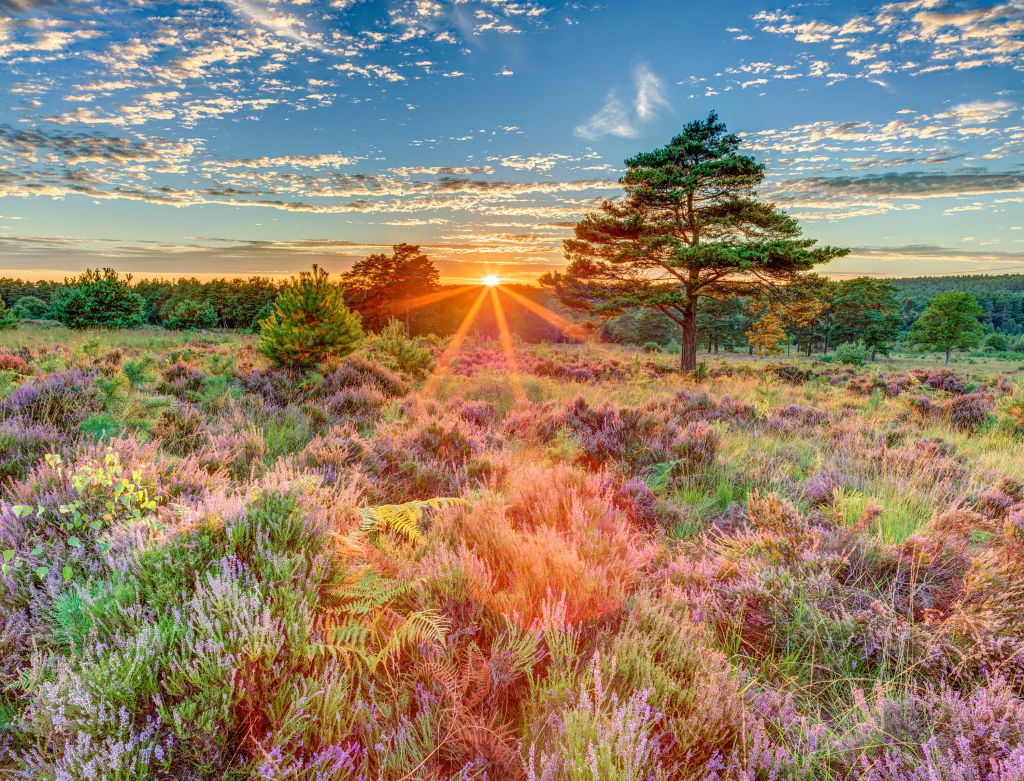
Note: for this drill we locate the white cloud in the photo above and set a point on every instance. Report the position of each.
(616, 118)
(650, 93)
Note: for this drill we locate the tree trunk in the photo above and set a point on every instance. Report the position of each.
(688, 338)
(947, 357)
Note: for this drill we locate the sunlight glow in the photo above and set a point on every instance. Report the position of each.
(491, 280)
(445, 361)
(430, 298)
(508, 347)
(570, 329)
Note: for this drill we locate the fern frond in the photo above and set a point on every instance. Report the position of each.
(423, 627)
(403, 518)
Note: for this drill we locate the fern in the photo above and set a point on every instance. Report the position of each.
(423, 627)
(404, 518)
(355, 621)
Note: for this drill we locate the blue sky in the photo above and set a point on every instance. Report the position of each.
(261, 136)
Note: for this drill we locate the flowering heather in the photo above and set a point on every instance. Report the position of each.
(62, 400)
(770, 570)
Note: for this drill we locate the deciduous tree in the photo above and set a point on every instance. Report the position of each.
(950, 321)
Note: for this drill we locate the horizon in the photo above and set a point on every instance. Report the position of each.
(258, 138)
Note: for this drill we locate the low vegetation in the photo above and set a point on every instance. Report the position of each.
(219, 568)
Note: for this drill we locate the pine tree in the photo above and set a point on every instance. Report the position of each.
(690, 225)
(309, 322)
(381, 286)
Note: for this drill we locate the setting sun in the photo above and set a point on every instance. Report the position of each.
(491, 280)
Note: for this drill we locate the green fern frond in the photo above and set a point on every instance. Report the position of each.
(404, 518)
(424, 627)
(367, 592)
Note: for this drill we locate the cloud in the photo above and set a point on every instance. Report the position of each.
(913, 184)
(616, 118)
(923, 36)
(650, 93)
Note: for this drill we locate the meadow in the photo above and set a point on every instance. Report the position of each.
(573, 563)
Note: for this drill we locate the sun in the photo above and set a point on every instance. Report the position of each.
(491, 280)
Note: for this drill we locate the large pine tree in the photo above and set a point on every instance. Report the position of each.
(690, 225)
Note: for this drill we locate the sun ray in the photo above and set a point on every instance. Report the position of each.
(444, 362)
(430, 298)
(567, 327)
(507, 346)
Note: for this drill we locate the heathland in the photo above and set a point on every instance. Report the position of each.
(555, 561)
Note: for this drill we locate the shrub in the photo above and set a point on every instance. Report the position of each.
(425, 455)
(13, 363)
(8, 319)
(601, 736)
(997, 343)
(394, 349)
(63, 400)
(98, 299)
(556, 534)
(851, 354)
(310, 323)
(30, 308)
(636, 438)
(191, 315)
(661, 651)
(970, 411)
(23, 444)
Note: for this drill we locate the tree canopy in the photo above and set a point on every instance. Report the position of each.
(950, 321)
(690, 225)
(382, 286)
(98, 299)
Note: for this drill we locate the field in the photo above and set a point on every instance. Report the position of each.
(423, 564)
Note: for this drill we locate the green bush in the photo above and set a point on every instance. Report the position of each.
(98, 299)
(191, 315)
(392, 347)
(7, 318)
(30, 308)
(997, 343)
(310, 322)
(851, 354)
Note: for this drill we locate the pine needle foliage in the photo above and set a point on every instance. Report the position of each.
(309, 323)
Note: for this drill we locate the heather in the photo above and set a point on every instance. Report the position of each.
(392, 567)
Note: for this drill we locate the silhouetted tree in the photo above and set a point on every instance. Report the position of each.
(381, 286)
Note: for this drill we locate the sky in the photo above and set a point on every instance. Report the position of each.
(238, 137)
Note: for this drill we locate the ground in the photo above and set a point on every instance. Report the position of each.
(422, 564)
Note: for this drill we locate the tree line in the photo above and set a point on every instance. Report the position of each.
(402, 285)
